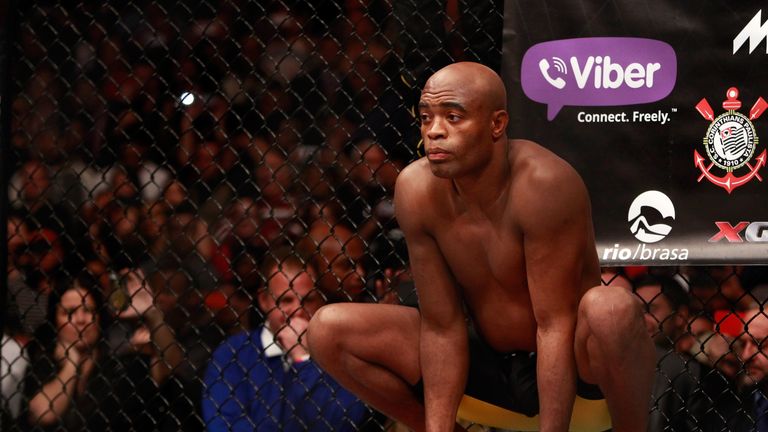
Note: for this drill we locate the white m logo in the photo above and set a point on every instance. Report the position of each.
(755, 31)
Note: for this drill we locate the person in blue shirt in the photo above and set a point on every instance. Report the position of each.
(264, 379)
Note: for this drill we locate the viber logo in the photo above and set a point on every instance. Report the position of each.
(606, 71)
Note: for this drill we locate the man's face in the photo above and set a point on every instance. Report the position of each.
(664, 325)
(341, 267)
(455, 127)
(754, 352)
(289, 294)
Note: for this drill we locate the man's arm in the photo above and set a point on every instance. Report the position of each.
(557, 227)
(443, 333)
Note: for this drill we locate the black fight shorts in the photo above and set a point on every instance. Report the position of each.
(508, 380)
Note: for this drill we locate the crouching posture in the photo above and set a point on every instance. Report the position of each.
(513, 329)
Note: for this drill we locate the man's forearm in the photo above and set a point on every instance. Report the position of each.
(556, 376)
(444, 363)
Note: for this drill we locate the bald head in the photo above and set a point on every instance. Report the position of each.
(474, 80)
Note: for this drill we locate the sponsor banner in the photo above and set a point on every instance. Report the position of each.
(659, 106)
(598, 72)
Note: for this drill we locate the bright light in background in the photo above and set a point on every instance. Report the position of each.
(187, 98)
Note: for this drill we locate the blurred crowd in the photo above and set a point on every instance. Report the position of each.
(708, 324)
(169, 152)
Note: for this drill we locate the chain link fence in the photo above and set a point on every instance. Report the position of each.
(189, 181)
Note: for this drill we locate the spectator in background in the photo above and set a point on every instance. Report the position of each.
(190, 248)
(31, 190)
(154, 217)
(700, 331)
(210, 183)
(237, 234)
(140, 109)
(717, 293)
(717, 352)
(371, 189)
(393, 282)
(338, 253)
(181, 302)
(29, 186)
(718, 288)
(231, 306)
(203, 156)
(120, 234)
(181, 276)
(275, 176)
(26, 304)
(74, 383)
(678, 404)
(427, 46)
(198, 332)
(149, 178)
(35, 105)
(175, 194)
(264, 379)
(13, 366)
(744, 406)
(752, 352)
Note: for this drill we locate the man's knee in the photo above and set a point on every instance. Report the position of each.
(324, 329)
(609, 304)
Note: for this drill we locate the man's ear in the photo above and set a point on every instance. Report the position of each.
(499, 121)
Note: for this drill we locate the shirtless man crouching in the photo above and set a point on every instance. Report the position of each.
(502, 251)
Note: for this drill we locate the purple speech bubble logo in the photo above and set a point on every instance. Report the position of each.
(607, 71)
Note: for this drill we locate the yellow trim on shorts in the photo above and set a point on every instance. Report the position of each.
(588, 415)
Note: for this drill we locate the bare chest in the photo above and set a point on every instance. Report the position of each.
(483, 257)
(489, 266)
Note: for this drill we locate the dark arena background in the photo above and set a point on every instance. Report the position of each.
(163, 156)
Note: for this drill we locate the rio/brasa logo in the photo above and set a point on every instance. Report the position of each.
(650, 218)
(730, 142)
(605, 71)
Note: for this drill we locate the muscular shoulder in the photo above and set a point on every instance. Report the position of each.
(417, 193)
(545, 183)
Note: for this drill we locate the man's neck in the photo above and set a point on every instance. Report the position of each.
(485, 190)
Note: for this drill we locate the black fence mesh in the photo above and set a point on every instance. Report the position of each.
(163, 156)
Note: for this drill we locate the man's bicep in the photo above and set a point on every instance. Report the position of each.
(435, 286)
(438, 297)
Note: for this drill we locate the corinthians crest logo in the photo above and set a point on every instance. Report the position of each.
(730, 142)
